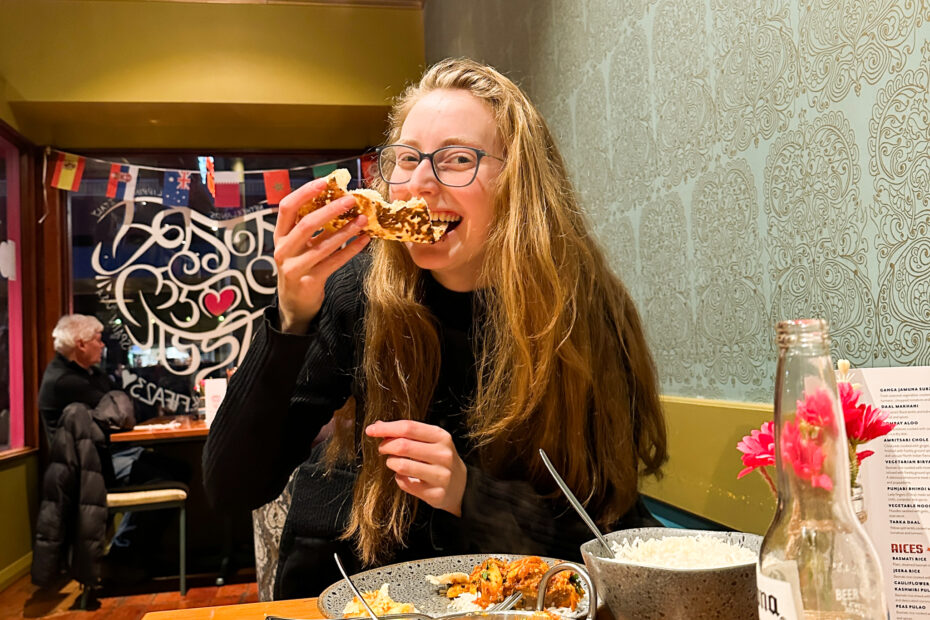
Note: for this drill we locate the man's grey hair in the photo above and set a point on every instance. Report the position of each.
(74, 327)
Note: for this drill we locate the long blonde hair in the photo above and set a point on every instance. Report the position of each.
(562, 363)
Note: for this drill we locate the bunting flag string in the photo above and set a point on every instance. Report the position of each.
(277, 185)
(122, 183)
(67, 170)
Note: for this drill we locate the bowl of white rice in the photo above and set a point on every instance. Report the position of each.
(676, 574)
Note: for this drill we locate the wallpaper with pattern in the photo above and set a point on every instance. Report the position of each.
(742, 162)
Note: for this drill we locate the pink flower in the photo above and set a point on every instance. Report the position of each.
(817, 409)
(806, 456)
(863, 422)
(866, 423)
(758, 448)
(801, 439)
(849, 398)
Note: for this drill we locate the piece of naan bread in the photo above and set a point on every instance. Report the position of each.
(396, 221)
(380, 602)
(447, 579)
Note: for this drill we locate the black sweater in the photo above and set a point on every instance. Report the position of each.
(66, 382)
(275, 406)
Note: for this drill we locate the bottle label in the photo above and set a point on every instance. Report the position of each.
(776, 600)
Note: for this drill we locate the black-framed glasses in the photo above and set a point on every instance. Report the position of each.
(454, 166)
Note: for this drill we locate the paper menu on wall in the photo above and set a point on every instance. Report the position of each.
(896, 484)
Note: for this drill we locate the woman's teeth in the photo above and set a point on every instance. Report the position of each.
(453, 219)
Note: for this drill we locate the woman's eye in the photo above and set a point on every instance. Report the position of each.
(458, 159)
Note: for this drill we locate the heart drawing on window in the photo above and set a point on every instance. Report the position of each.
(218, 303)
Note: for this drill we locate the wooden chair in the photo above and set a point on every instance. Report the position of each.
(168, 495)
(174, 496)
(153, 496)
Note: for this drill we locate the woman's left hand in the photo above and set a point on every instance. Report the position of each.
(424, 461)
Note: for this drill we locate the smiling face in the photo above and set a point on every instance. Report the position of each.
(442, 118)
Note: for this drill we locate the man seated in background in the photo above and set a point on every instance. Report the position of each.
(73, 376)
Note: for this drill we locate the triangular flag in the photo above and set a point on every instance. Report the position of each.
(277, 185)
(176, 190)
(206, 173)
(122, 183)
(227, 190)
(211, 180)
(322, 170)
(68, 171)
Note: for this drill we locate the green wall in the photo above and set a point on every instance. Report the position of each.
(19, 490)
(742, 163)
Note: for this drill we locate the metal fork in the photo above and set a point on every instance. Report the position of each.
(507, 603)
(504, 605)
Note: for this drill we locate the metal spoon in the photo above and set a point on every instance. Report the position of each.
(575, 503)
(355, 590)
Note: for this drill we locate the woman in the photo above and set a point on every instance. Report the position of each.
(459, 360)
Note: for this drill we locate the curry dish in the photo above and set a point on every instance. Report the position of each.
(494, 580)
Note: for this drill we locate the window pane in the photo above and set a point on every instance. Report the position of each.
(178, 289)
(11, 376)
(4, 325)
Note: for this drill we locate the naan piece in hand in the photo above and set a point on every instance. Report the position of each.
(400, 220)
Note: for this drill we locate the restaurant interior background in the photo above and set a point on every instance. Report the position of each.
(742, 162)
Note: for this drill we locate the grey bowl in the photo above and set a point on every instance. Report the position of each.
(639, 592)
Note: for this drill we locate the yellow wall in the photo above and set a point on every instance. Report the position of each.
(700, 476)
(19, 490)
(64, 63)
(6, 95)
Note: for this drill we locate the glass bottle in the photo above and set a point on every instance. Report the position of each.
(816, 561)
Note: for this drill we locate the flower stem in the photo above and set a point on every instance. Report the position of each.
(768, 479)
(853, 462)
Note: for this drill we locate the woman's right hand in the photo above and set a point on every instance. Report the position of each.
(305, 261)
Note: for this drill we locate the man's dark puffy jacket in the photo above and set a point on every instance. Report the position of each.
(73, 513)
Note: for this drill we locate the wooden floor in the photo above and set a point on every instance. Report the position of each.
(24, 600)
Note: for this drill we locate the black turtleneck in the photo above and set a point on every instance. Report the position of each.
(66, 382)
(455, 387)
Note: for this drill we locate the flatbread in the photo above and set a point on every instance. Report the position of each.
(397, 221)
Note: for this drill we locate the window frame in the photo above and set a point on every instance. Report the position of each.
(35, 238)
(19, 437)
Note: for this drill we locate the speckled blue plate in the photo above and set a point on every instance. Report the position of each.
(408, 583)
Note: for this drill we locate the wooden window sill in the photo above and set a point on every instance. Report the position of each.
(8, 456)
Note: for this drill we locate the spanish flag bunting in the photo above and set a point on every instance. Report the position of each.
(277, 185)
(68, 171)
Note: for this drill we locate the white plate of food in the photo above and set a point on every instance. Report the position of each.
(476, 581)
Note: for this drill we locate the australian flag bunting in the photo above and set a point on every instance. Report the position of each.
(176, 190)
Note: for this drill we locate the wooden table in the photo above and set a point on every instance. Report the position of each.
(297, 608)
(188, 429)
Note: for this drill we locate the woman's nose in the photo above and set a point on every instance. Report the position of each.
(423, 177)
